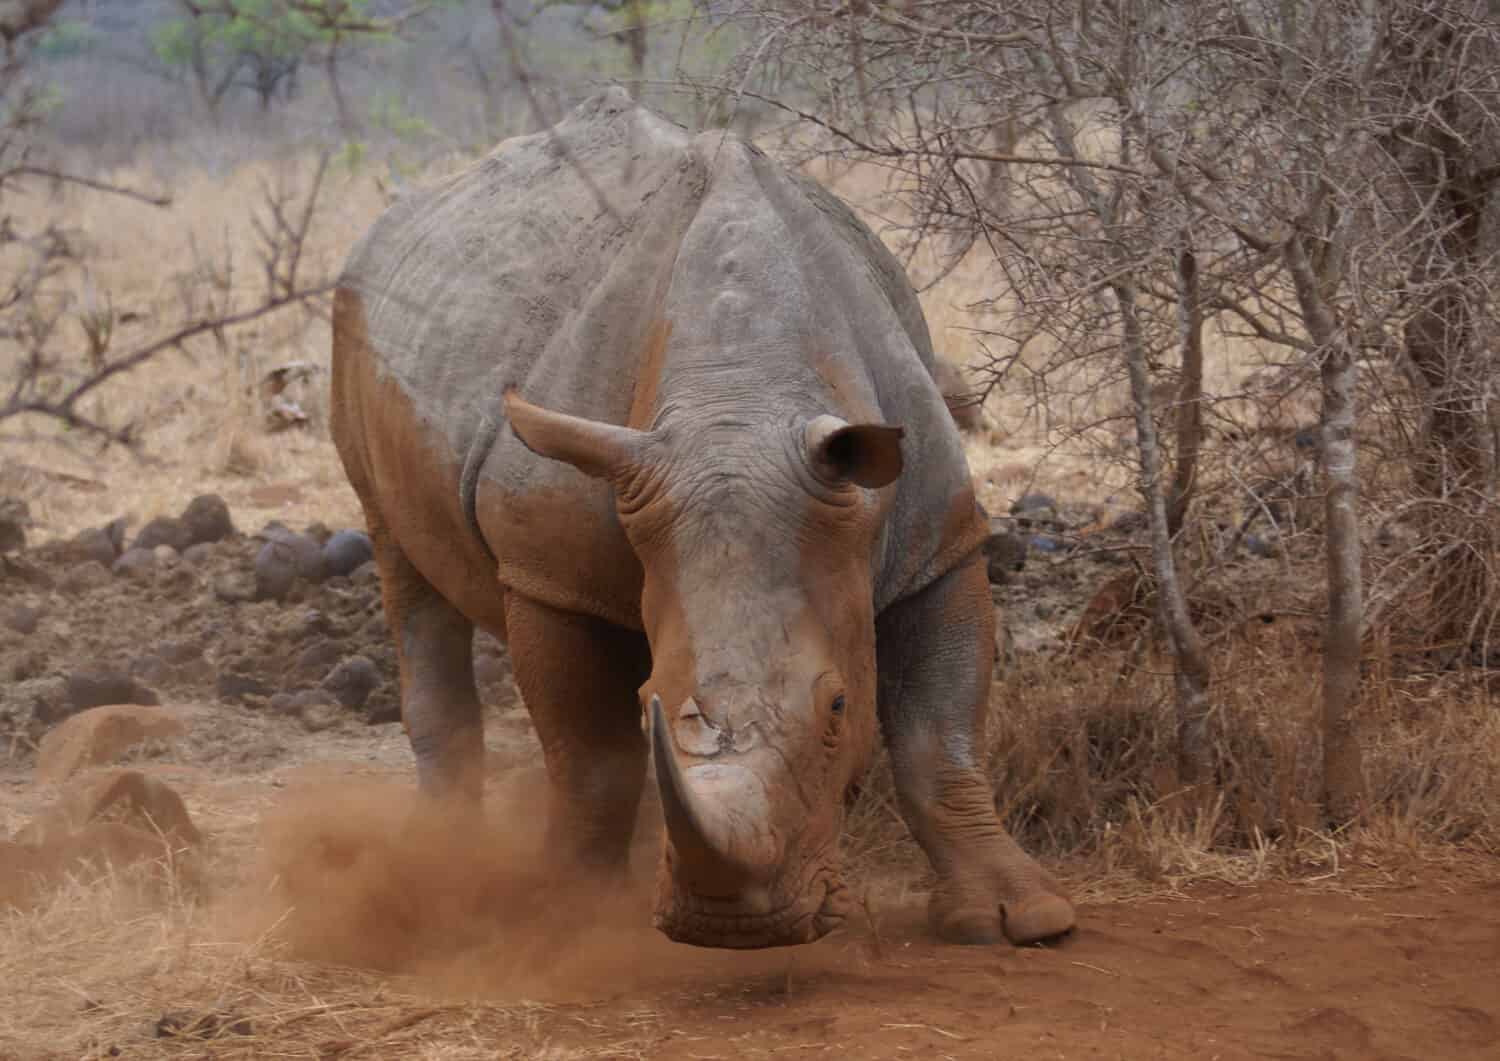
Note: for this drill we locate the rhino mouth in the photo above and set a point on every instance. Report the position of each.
(701, 921)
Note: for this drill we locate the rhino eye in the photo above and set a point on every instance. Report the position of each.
(838, 704)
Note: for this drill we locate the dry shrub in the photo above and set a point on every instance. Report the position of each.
(1083, 758)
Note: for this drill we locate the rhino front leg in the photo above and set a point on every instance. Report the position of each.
(579, 676)
(935, 655)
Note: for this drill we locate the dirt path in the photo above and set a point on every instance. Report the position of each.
(490, 957)
(1276, 971)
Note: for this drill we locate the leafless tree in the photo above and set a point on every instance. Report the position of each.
(52, 372)
(1311, 178)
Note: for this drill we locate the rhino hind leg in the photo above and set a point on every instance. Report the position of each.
(579, 676)
(935, 654)
(439, 702)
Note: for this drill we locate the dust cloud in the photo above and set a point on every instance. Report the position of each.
(359, 873)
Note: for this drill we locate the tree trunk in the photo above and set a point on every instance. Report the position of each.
(1195, 764)
(1343, 763)
(1190, 392)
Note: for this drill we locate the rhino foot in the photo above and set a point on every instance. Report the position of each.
(1037, 918)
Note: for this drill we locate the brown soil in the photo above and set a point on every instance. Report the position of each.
(316, 920)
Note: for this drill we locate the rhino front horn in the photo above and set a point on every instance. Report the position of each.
(719, 826)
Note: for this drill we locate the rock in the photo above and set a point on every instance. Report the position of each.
(306, 552)
(206, 519)
(275, 571)
(135, 563)
(315, 660)
(366, 576)
(318, 532)
(1043, 543)
(165, 556)
(85, 576)
(94, 544)
(352, 681)
(346, 551)
(198, 554)
(282, 704)
(239, 684)
(1132, 522)
(163, 530)
(1005, 554)
(1034, 508)
(22, 618)
(1308, 440)
(101, 735)
(98, 686)
(119, 797)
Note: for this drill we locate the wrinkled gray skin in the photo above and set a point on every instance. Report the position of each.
(662, 415)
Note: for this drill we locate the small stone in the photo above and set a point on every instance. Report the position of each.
(275, 571)
(206, 519)
(98, 686)
(352, 681)
(1032, 503)
(135, 563)
(85, 576)
(307, 554)
(95, 544)
(163, 530)
(165, 556)
(318, 532)
(1043, 543)
(1044, 611)
(282, 704)
(346, 551)
(1005, 554)
(366, 576)
(198, 553)
(1129, 523)
(22, 618)
(240, 685)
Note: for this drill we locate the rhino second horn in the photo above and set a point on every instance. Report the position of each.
(719, 859)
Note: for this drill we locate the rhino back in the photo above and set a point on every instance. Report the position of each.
(540, 266)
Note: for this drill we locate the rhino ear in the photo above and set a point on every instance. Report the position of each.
(603, 451)
(868, 455)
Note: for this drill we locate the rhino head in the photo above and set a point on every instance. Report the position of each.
(755, 538)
